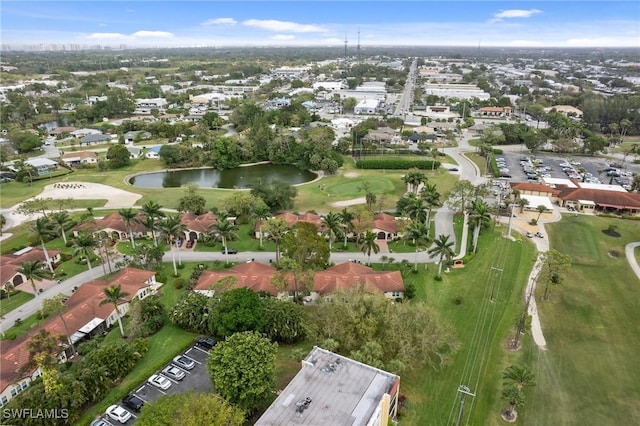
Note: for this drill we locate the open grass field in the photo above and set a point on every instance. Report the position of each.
(481, 327)
(590, 372)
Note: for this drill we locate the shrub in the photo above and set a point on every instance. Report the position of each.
(396, 164)
(179, 283)
(459, 300)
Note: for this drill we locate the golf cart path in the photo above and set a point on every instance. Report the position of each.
(631, 258)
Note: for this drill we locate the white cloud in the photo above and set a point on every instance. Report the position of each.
(283, 26)
(157, 34)
(282, 37)
(514, 13)
(603, 42)
(332, 40)
(219, 21)
(108, 36)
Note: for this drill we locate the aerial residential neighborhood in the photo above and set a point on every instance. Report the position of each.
(245, 213)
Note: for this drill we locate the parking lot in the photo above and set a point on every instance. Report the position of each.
(196, 379)
(595, 167)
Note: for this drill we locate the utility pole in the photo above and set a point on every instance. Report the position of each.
(510, 218)
(464, 391)
(493, 285)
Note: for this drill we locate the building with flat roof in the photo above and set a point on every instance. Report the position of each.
(331, 389)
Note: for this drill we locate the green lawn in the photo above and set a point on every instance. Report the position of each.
(17, 299)
(432, 394)
(589, 374)
(25, 325)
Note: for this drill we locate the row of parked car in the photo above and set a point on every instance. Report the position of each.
(176, 370)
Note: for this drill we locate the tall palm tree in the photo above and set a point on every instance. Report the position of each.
(153, 212)
(113, 295)
(42, 228)
(84, 244)
(261, 213)
(431, 197)
(413, 179)
(419, 233)
(61, 220)
(346, 220)
(515, 379)
(56, 306)
(522, 202)
(369, 244)
(225, 231)
(416, 209)
(128, 217)
(443, 248)
(171, 228)
(479, 213)
(34, 270)
(332, 225)
(276, 229)
(541, 209)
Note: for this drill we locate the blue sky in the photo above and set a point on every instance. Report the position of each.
(322, 23)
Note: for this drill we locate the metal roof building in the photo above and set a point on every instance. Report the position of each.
(331, 389)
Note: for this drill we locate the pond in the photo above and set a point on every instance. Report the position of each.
(238, 178)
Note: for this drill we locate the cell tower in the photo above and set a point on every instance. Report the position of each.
(358, 48)
(346, 70)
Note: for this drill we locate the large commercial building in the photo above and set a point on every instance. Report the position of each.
(331, 389)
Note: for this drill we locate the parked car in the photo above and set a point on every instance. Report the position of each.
(174, 372)
(529, 235)
(230, 251)
(100, 422)
(189, 243)
(133, 402)
(539, 235)
(179, 242)
(160, 381)
(117, 413)
(206, 343)
(453, 169)
(184, 362)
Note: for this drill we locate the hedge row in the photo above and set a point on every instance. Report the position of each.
(396, 164)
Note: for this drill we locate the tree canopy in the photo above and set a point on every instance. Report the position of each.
(190, 409)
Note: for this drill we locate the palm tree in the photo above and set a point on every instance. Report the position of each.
(413, 179)
(172, 228)
(522, 202)
(225, 231)
(332, 225)
(84, 244)
(479, 213)
(34, 270)
(443, 249)
(128, 216)
(541, 209)
(56, 306)
(113, 295)
(368, 244)
(346, 220)
(42, 228)
(431, 197)
(260, 214)
(416, 209)
(419, 233)
(152, 211)
(61, 219)
(276, 229)
(3, 222)
(515, 379)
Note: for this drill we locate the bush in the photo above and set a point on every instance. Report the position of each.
(396, 164)
(458, 300)
(179, 283)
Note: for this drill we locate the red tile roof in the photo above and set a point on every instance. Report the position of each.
(82, 307)
(346, 275)
(385, 222)
(257, 277)
(601, 197)
(200, 223)
(10, 263)
(113, 221)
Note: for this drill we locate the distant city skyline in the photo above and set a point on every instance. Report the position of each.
(321, 23)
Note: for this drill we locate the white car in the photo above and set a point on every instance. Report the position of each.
(160, 381)
(174, 372)
(117, 413)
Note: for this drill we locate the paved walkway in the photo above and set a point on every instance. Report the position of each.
(631, 257)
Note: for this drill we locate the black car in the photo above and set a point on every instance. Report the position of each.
(206, 343)
(230, 251)
(133, 402)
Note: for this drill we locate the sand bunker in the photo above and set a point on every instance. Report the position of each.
(353, 202)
